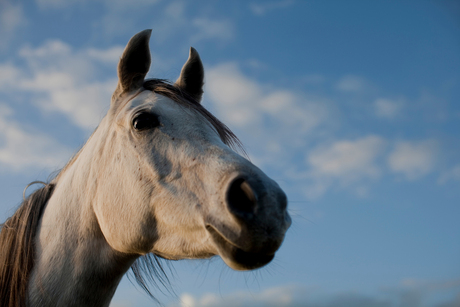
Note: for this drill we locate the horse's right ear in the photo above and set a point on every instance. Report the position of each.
(134, 63)
(191, 77)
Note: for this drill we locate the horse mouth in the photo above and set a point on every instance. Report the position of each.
(234, 256)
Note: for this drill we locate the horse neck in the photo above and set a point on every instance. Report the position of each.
(75, 266)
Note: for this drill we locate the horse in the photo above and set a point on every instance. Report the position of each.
(160, 177)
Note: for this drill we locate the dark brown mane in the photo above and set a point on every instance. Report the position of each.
(17, 249)
(167, 89)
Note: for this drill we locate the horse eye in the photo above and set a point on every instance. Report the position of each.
(145, 121)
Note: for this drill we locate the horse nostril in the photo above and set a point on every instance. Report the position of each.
(241, 198)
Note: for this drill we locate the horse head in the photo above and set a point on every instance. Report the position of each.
(169, 182)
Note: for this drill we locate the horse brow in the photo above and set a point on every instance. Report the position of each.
(165, 88)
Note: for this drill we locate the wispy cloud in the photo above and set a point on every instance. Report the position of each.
(9, 76)
(11, 19)
(118, 17)
(280, 296)
(413, 159)
(169, 21)
(452, 174)
(175, 21)
(263, 8)
(243, 101)
(22, 147)
(220, 29)
(61, 79)
(388, 108)
(352, 84)
(56, 4)
(348, 160)
(347, 163)
(414, 295)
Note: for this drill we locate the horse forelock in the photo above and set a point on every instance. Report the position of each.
(165, 88)
(17, 247)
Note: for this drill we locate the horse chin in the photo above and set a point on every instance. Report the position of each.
(235, 257)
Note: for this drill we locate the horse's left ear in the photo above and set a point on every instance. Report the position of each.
(191, 77)
(134, 63)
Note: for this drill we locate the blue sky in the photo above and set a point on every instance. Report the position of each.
(352, 106)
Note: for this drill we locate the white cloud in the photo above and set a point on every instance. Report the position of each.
(123, 18)
(415, 295)
(263, 8)
(413, 159)
(11, 18)
(235, 95)
(22, 148)
(220, 29)
(387, 108)
(346, 161)
(111, 5)
(109, 56)
(174, 20)
(451, 174)
(350, 163)
(84, 105)
(351, 83)
(187, 300)
(279, 297)
(170, 20)
(55, 4)
(9, 75)
(243, 102)
(61, 79)
(121, 5)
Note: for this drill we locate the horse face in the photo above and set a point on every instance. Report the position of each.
(183, 192)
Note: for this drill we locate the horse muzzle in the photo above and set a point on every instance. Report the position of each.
(255, 223)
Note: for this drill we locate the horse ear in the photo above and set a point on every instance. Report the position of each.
(134, 63)
(191, 78)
